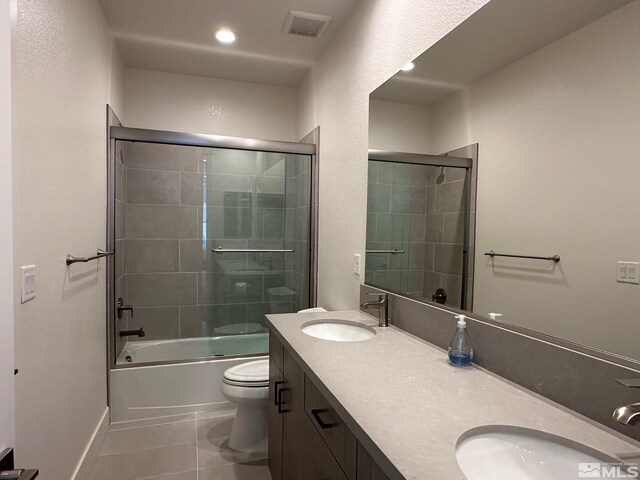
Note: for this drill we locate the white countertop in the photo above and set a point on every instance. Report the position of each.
(408, 400)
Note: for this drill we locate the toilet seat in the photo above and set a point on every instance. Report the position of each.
(250, 374)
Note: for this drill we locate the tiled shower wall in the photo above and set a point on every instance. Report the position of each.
(120, 235)
(396, 208)
(181, 202)
(445, 232)
(298, 235)
(418, 209)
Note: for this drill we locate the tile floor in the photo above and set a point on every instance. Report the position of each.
(188, 447)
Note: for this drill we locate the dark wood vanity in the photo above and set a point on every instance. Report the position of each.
(307, 438)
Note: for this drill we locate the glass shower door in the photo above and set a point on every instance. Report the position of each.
(208, 241)
(255, 243)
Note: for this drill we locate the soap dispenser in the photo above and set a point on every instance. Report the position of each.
(460, 351)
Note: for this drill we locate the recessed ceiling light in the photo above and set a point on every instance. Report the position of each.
(408, 67)
(224, 35)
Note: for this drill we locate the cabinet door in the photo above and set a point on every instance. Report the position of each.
(276, 384)
(317, 461)
(367, 468)
(292, 435)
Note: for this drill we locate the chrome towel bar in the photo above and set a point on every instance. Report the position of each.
(219, 250)
(392, 251)
(555, 258)
(99, 254)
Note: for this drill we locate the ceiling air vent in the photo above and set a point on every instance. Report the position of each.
(303, 24)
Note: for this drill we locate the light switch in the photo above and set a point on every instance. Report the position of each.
(627, 272)
(28, 283)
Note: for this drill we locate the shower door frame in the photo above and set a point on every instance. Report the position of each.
(117, 132)
(443, 160)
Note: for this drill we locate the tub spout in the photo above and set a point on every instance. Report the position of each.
(132, 333)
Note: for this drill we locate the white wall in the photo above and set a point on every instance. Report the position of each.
(378, 38)
(184, 103)
(62, 75)
(398, 127)
(7, 425)
(558, 174)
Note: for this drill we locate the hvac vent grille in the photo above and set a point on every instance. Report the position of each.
(303, 24)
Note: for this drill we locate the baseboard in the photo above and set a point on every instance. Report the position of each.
(83, 469)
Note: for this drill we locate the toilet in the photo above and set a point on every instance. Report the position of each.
(247, 385)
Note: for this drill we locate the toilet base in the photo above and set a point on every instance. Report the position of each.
(250, 430)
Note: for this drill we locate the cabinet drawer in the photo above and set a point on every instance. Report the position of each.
(294, 374)
(341, 442)
(317, 461)
(276, 350)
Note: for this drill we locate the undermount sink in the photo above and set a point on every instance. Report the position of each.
(488, 453)
(339, 331)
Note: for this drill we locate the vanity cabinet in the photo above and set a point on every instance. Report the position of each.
(307, 438)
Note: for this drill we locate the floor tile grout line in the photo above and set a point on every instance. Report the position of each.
(129, 452)
(151, 425)
(163, 475)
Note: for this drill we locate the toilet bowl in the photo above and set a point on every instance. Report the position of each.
(247, 385)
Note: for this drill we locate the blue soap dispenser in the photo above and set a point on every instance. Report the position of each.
(460, 351)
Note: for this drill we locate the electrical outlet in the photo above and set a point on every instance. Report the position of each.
(28, 283)
(356, 264)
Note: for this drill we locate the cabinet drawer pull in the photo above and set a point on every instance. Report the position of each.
(281, 402)
(276, 393)
(316, 414)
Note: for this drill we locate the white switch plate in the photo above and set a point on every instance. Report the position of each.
(356, 264)
(627, 272)
(28, 282)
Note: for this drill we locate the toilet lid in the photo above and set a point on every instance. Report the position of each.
(249, 373)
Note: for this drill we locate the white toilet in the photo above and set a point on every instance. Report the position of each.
(247, 385)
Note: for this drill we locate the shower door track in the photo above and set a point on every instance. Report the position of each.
(213, 141)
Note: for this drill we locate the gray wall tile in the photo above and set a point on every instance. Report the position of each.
(162, 157)
(450, 197)
(379, 199)
(453, 228)
(229, 287)
(151, 256)
(448, 259)
(435, 228)
(158, 323)
(161, 221)
(153, 187)
(162, 289)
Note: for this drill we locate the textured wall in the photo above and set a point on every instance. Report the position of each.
(184, 103)
(398, 127)
(62, 79)
(378, 38)
(7, 424)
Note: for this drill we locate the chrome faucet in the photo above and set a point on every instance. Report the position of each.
(382, 305)
(628, 414)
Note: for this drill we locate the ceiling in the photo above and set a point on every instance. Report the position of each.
(500, 33)
(177, 36)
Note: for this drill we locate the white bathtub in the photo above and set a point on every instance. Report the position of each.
(193, 348)
(150, 391)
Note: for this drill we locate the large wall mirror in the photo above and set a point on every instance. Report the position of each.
(516, 135)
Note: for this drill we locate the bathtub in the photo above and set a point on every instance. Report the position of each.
(187, 381)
